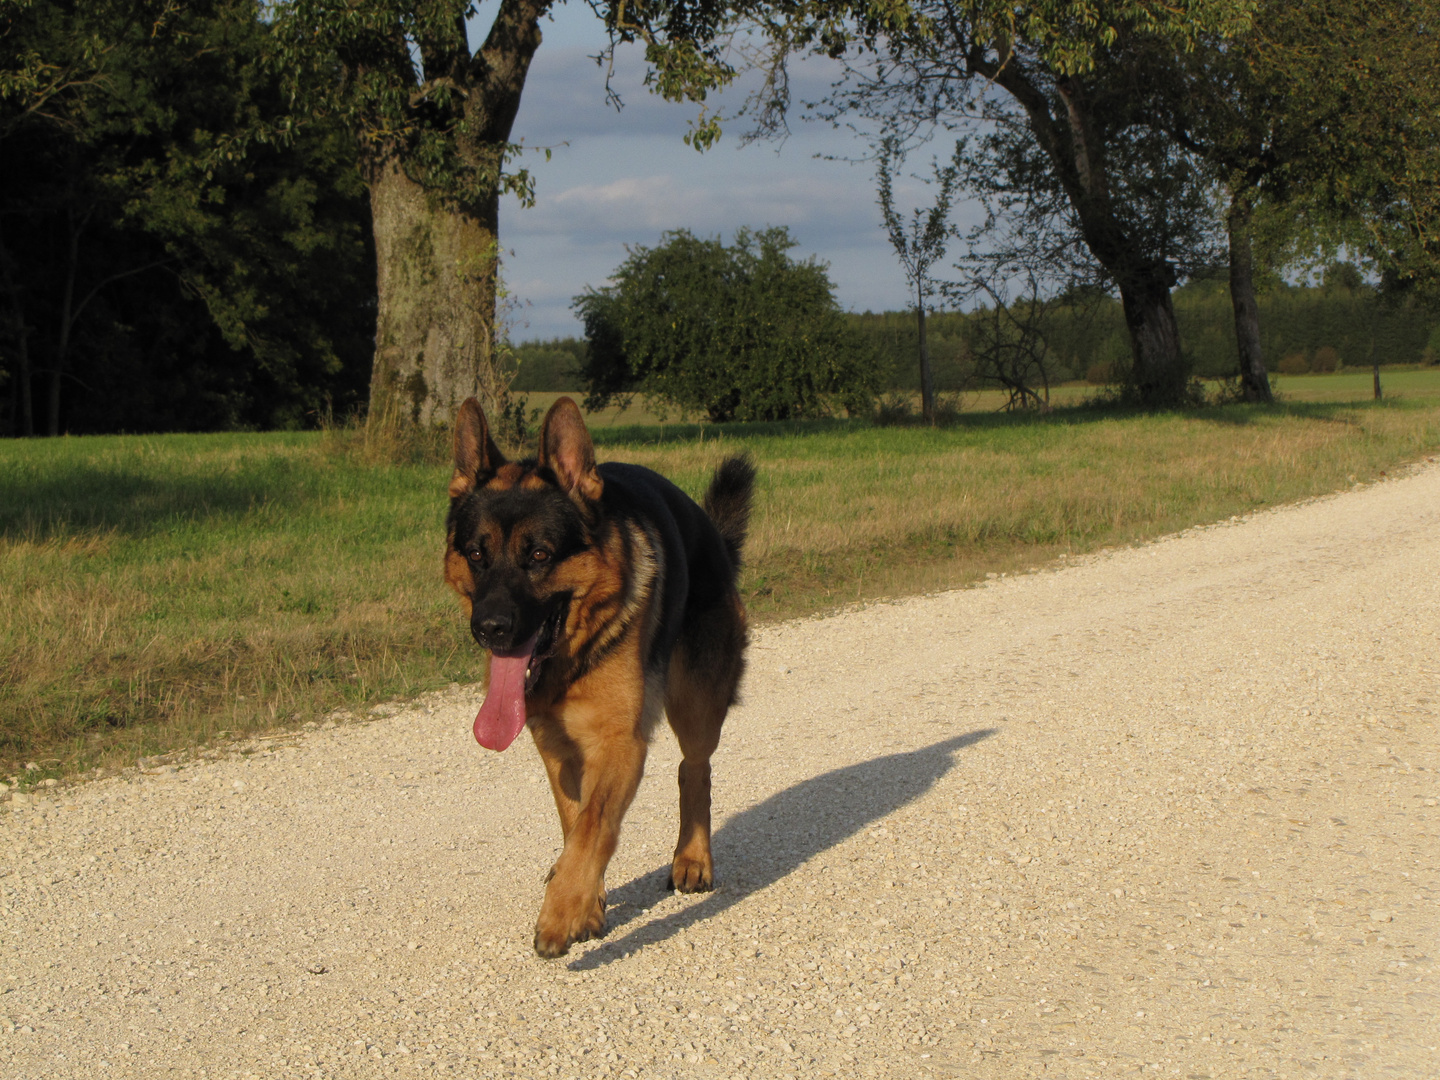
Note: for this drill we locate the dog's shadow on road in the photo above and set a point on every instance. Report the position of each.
(763, 844)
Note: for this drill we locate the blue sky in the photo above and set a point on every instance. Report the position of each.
(618, 178)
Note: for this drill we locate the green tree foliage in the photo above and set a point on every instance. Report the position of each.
(1319, 115)
(159, 267)
(1360, 79)
(731, 333)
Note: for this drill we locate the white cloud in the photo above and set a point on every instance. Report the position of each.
(627, 204)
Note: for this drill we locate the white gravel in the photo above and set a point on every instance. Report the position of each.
(1170, 811)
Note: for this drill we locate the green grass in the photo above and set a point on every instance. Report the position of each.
(183, 585)
(159, 591)
(1355, 384)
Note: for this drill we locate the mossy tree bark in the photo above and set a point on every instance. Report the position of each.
(435, 274)
(435, 139)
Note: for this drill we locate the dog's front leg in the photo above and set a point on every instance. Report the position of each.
(563, 767)
(612, 760)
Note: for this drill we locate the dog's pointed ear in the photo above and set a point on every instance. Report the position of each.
(566, 450)
(476, 455)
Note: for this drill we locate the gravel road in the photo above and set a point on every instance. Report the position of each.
(1168, 811)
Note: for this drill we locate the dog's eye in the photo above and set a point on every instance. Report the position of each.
(474, 555)
(539, 555)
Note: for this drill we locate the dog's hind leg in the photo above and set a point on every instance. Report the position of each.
(705, 671)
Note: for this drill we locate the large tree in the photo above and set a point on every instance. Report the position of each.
(1083, 117)
(1320, 113)
(939, 67)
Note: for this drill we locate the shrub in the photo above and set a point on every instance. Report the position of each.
(731, 333)
(1294, 363)
(1327, 358)
(1100, 373)
(894, 409)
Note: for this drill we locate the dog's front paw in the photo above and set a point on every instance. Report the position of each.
(566, 920)
(691, 874)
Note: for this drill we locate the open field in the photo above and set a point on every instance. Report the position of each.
(160, 591)
(1404, 383)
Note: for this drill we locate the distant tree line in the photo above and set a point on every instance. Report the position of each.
(1342, 323)
(1087, 339)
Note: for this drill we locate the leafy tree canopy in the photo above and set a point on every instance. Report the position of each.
(743, 332)
(159, 267)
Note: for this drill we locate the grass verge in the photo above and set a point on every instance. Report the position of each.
(160, 592)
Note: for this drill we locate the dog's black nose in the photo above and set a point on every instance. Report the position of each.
(494, 628)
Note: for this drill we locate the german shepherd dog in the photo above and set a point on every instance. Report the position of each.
(603, 594)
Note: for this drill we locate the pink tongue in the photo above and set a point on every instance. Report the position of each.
(503, 714)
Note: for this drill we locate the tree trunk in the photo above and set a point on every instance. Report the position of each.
(22, 408)
(927, 377)
(436, 258)
(68, 316)
(22, 401)
(1159, 375)
(1254, 380)
(25, 390)
(434, 333)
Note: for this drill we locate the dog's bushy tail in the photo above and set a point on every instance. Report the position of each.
(728, 501)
